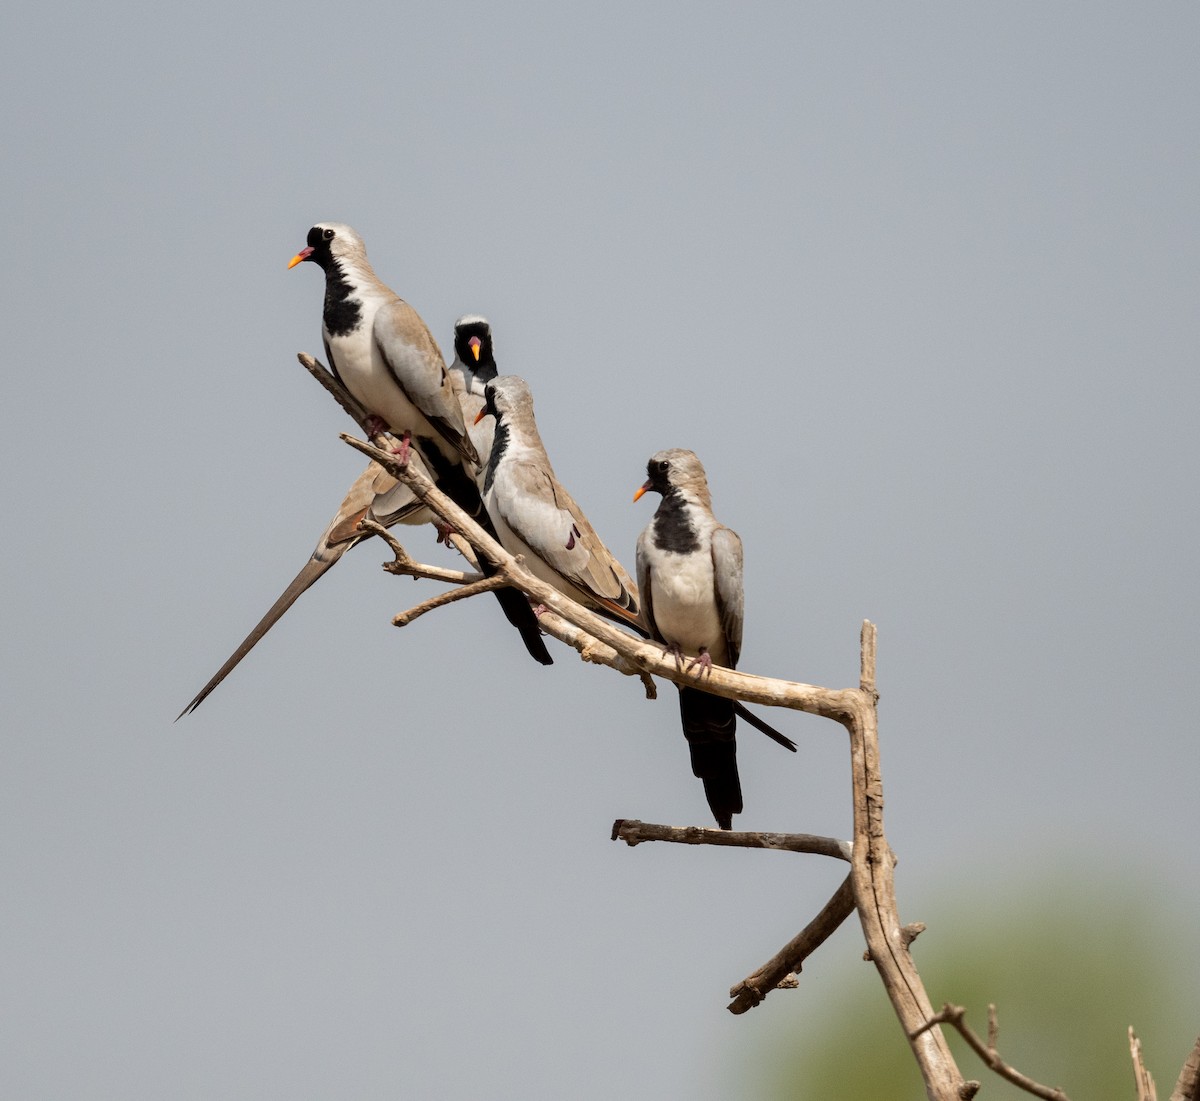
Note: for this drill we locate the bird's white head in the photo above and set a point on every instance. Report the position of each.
(674, 468)
(330, 241)
(506, 396)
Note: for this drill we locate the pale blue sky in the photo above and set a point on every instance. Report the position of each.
(918, 283)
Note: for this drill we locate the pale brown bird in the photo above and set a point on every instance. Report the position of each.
(375, 493)
(689, 570)
(383, 353)
(536, 517)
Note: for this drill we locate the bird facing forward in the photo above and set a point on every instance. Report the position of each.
(689, 570)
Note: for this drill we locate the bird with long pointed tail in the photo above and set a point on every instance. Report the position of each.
(536, 517)
(376, 494)
(383, 353)
(689, 570)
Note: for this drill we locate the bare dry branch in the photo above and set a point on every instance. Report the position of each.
(590, 648)
(871, 876)
(483, 585)
(405, 565)
(911, 931)
(633, 832)
(780, 970)
(1141, 1076)
(867, 643)
(875, 892)
(344, 398)
(599, 641)
(956, 1015)
(1188, 1086)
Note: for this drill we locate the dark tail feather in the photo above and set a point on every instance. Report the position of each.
(742, 710)
(454, 481)
(514, 603)
(709, 724)
(519, 612)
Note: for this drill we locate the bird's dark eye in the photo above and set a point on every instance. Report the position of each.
(328, 235)
(664, 466)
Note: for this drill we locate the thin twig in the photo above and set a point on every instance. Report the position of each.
(788, 961)
(418, 570)
(955, 1015)
(1141, 1076)
(406, 565)
(394, 544)
(633, 832)
(867, 643)
(483, 585)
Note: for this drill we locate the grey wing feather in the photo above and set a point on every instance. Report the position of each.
(727, 578)
(544, 516)
(644, 590)
(400, 333)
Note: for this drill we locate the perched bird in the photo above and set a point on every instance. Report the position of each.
(689, 570)
(375, 493)
(473, 368)
(536, 517)
(381, 351)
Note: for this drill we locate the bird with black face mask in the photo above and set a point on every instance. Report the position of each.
(536, 517)
(689, 570)
(383, 353)
(376, 495)
(473, 368)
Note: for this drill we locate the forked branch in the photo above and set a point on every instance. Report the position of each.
(871, 860)
(956, 1015)
(869, 888)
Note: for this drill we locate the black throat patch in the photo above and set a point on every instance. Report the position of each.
(499, 446)
(343, 311)
(673, 529)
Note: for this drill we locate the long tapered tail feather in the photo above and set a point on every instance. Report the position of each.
(744, 712)
(313, 569)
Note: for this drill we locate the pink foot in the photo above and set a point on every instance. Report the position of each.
(539, 610)
(677, 653)
(402, 451)
(704, 661)
(444, 531)
(375, 426)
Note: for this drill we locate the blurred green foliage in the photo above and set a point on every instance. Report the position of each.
(1070, 961)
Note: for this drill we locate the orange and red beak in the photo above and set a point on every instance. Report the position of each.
(480, 415)
(642, 489)
(475, 344)
(301, 256)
